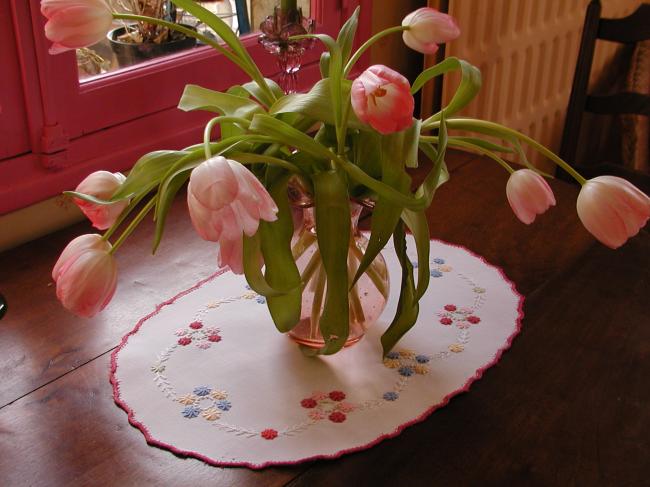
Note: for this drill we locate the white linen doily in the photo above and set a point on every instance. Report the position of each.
(207, 375)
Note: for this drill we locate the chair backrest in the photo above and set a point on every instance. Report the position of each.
(628, 30)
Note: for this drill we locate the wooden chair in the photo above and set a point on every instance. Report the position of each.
(627, 30)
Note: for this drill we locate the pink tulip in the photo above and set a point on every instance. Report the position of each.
(73, 24)
(101, 185)
(612, 209)
(225, 200)
(382, 98)
(85, 275)
(427, 28)
(529, 195)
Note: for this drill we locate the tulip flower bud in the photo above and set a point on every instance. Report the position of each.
(529, 195)
(101, 185)
(427, 28)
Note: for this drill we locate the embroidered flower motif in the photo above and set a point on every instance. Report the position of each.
(479, 290)
(158, 368)
(269, 434)
(435, 273)
(391, 363)
(224, 405)
(202, 391)
(406, 371)
(316, 415)
(191, 412)
(445, 268)
(196, 325)
(438, 260)
(212, 305)
(392, 355)
(463, 325)
(446, 321)
(391, 396)
(308, 403)
(421, 369)
(422, 359)
(466, 311)
(218, 395)
(473, 319)
(211, 330)
(337, 395)
(180, 332)
(260, 300)
(214, 338)
(406, 353)
(184, 341)
(456, 348)
(337, 417)
(414, 263)
(319, 396)
(450, 307)
(188, 399)
(204, 345)
(211, 414)
(345, 407)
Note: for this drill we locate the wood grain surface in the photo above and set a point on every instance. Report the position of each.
(567, 405)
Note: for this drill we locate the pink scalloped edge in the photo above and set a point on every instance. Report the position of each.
(257, 466)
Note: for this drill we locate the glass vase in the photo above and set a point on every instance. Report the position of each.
(367, 298)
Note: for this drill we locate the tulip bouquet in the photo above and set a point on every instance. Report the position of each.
(343, 140)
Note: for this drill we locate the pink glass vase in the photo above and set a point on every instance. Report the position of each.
(367, 298)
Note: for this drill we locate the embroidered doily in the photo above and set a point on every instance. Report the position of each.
(207, 375)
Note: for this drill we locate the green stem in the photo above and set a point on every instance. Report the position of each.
(122, 217)
(136, 221)
(468, 123)
(364, 47)
(468, 145)
(289, 5)
(210, 125)
(246, 158)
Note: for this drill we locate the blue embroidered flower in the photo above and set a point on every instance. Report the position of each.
(260, 299)
(392, 355)
(406, 371)
(191, 412)
(391, 396)
(422, 359)
(438, 260)
(414, 263)
(435, 273)
(224, 405)
(202, 391)
(247, 287)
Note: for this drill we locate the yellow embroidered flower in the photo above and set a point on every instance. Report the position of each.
(406, 353)
(456, 348)
(391, 363)
(219, 395)
(188, 399)
(445, 268)
(421, 369)
(211, 414)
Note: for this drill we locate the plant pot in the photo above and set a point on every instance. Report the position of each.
(128, 53)
(367, 298)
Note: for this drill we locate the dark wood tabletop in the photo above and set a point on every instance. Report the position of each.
(568, 404)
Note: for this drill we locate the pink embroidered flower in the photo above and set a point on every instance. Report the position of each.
(427, 28)
(308, 403)
(180, 332)
(345, 407)
(226, 200)
(85, 275)
(319, 396)
(316, 415)
(101, 185)
(529, 195)
(466, 311)
(337, 395)
(612, 209)
(204, 345)
(269, 434)
(74, 24)
(337, 417)
(473, 319)
(184, 341)
(214, 338)
(450, 307)
(382, 98)
(196, 325)
(446, 321)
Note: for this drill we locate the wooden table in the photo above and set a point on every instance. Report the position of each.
(567, 405)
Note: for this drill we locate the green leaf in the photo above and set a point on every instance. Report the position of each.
(198, 98)
(483, 144)
(345, 38)
(433, 180)
(332, 211)
(407, 306)
(324, 64)
(417, 223)
(468, 88)
(253, 89)
(164, 203)
(252, 258)
(281, 272)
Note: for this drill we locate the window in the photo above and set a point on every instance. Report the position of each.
(57, 128)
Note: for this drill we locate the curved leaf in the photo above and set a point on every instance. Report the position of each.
(198, 98)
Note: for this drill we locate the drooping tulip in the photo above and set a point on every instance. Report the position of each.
(101, 185)
(382, 98)
(73, 24)
(612, 209)
(529, 195)
(226, 200)
(427, 28)
(85, 275)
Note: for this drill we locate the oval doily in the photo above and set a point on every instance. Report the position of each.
(207, 375)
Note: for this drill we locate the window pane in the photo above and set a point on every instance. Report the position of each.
(124, 47)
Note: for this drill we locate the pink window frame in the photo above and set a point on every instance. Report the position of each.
(76, 128)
